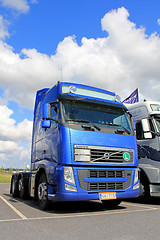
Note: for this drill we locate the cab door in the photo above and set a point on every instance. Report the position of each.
(50, 143)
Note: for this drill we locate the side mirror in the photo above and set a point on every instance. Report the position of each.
(46, 123)
(146, 128)
(46, 109)
(46, 115)
(132, 120)
(134, 123)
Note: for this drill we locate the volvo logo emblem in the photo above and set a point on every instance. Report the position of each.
(106, 156)
(110, 156)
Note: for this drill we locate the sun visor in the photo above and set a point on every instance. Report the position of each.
(72, 97)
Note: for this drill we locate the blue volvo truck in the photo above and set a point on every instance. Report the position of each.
(83, 148)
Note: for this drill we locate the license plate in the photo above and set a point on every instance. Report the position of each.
(107, 195)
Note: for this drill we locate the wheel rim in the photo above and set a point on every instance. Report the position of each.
(42, 191)
(142, 190)
(13, 186)
(20, 185)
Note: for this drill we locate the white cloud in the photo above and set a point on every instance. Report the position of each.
(20, 78)
(158, 21)
(20, 6)
(15, 139)
(11, 131)
(13, 155)
(3, 28)
(123, 60)
(3, 101)
(8, 146)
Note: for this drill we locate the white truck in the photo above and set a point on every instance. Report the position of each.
(147, 120)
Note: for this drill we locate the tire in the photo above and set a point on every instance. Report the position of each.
(43, 201)
(144, 192)
(111, 203)
(23, 189)
(14, 188)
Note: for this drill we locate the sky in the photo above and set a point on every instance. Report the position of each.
(110, 44)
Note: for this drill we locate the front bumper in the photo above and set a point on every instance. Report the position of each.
(154, 190)
(91, 196)
(91, 181)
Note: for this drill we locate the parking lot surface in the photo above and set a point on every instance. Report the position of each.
(22, 219)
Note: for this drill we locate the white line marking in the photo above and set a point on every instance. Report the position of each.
(14, 209)
(81, 215)
(138, 205)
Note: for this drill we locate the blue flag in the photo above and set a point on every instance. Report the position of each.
(133, 98)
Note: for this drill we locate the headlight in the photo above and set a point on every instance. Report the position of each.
(82, 155)
(68, 175)
(117, 98)
(70, 188)
(136, 186)
(136, 175)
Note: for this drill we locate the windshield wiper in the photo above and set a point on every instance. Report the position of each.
(84, 121)
(117, 125)
(125, 129)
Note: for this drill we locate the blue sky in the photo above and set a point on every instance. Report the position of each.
(48, 22)
(111, 44)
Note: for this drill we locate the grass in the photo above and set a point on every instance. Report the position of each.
(5, 177)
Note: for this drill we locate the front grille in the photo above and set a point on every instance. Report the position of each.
(103, 180)
(105, 186)
(102, 155)
(106, 155)
(106, 174)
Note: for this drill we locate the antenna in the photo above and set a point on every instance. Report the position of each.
(61, 73)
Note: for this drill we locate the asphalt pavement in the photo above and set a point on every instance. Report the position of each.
(22, 219)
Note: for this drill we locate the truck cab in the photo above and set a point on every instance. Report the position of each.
(147, 119)
(83, 147)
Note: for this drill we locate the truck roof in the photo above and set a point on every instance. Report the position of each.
(144, 109)
(76, 90)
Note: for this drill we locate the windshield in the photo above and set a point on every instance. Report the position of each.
(157, 119)
(96, 115)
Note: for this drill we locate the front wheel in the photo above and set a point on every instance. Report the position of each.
(23, 189)
(144, 192)
(14, 188)
(111, 203)
(43, 193)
